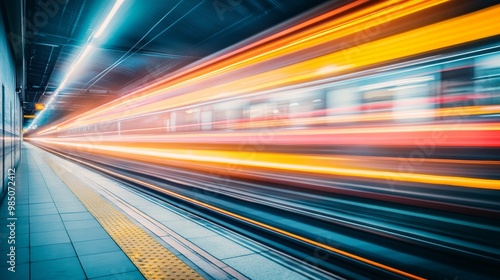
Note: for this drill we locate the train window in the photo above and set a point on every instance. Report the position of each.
(342, 101)
(173, 120)
(103, 128)
(487, 80)
(188, 119)
(413, 97)
(295, 108)
(399, 95)
(206, 120)
(137, 125)
(163, 121)
(377, 100)
(307, 102)
(259, 111)
(226, 115)
(206, 117)
(219, 117)
(457, 86)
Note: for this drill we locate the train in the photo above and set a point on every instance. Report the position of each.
(398, 92)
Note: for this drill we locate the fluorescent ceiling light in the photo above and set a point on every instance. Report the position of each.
(85, 52)
(117, 5)
(82, 56)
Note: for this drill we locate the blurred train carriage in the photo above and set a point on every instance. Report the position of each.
(385, 76)
(449, 81)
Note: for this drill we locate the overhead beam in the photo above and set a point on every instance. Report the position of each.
(75, 44)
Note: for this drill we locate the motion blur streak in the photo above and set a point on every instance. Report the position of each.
(300, 163)
(450, 135)
(372, 127)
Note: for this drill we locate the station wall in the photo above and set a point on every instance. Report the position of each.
(11, 113)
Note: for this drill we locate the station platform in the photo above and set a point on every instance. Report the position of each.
(69, 222)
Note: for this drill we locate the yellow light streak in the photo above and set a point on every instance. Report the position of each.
(279, 161)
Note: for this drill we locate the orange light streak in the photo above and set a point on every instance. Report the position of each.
(279, 161)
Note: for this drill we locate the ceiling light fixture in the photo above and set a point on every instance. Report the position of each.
(80, 58)
(113, 11)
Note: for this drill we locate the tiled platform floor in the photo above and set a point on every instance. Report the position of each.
(55, 236)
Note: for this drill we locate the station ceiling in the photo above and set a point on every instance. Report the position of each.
(144, 40)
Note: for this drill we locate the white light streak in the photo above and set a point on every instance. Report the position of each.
(113, 11)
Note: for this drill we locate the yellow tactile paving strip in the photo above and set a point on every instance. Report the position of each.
(152, 259)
